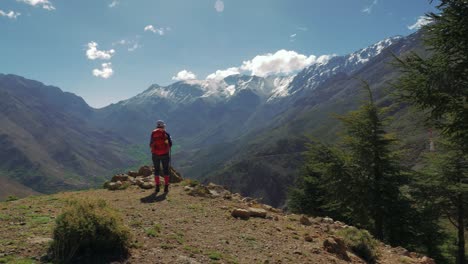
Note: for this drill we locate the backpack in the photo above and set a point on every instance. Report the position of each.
(160, 144)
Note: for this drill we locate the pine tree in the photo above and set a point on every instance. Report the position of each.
(439, 84)
(443, 182)
(357, 181)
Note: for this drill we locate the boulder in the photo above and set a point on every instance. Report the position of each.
(145, 171)
(120, 177)
(241, 213)
(133, 173)
(336, 246)
(305, 220)
(114, 185)
(147, 185)
(328, 220)
(257, 212)
(426, 260)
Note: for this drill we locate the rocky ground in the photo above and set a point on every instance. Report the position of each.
(198, 224)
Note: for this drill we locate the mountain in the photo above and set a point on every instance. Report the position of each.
(46, 143)
(244, 131)
(265, 162)
(184, 228)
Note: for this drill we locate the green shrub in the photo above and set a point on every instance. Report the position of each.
(361, 243)
(11, 198)
(190, 182)
(89, 229)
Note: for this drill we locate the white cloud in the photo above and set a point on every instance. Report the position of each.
(131, 44)
(160, 31)
(221, 74)
(281, 62)
(293, 36)
(302, 28)
(184, 75)
(368, 9)
(422, 21)
(219, 6)
(11, 14)
(93, 53)
(44, 3)
(114, 3)
(105, 72)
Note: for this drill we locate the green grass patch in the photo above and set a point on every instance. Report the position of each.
(167, 246)
(215, 255)
(16, 260)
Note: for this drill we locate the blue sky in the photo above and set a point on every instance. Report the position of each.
(110, 50)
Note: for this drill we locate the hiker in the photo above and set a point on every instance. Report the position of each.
(160, 144)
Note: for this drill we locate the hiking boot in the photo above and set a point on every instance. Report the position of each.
(157, 188)
(166, 188)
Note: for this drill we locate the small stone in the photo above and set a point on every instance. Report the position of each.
(327, 220)
(305, 220)
(308, 238)
(297, 252)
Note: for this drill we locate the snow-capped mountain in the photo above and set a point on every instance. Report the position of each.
(269, 89)
(316, 74)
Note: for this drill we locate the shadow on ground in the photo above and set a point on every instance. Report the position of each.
(153, 198)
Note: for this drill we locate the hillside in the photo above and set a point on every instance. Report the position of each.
(180, 228)
(46, 143)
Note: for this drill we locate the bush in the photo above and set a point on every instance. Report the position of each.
(11, 198)
(190, 182)
(89, 229)
(361, 243)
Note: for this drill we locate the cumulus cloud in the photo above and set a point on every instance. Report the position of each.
(93, 53)
(11, 14)
(368, 9)
(105, 72)
(221, 74)
(160, 31)
(422, 21)
(219, 6)
(44, 3)
(280, 62)
(184, 75)
(114, 3)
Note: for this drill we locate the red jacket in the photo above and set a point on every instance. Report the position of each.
(160, 142)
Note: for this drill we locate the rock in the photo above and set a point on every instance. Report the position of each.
(426, 260)
(308, 238)
(188, 188)
(328, 220)
(305, 220)
(120, 177)
(114, 185)
(145, 171)
(336, 246)
(133, 173)
(227, 196)
(241, 213)
(401, 251)
(257, 212)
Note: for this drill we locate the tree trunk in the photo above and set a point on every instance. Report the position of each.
(461, 231)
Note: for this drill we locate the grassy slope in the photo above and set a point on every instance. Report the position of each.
(176, 229)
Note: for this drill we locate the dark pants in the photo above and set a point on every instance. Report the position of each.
(157, 160)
